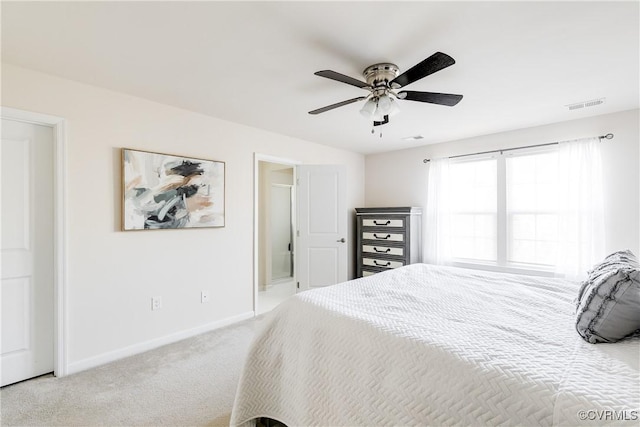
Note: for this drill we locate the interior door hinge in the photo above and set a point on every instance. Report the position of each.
(298, 285)
(297, 181)
(298, 233)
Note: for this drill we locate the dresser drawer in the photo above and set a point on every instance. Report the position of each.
(384, 263)
(383, 250)
(366, 273)
(380, 222)
(382, 235)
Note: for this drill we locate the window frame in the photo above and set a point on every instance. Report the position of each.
(502, 225)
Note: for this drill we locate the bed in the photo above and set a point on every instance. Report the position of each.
(427, 345)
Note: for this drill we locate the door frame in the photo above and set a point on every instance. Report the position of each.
(257, 158)
(58, 124)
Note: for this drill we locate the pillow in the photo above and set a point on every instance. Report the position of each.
(608, 308)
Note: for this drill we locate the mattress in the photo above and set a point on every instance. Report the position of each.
(427, 345)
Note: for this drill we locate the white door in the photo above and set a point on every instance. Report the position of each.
(322, 225)
(27, 250)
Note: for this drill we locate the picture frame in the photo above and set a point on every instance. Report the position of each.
(165, 191)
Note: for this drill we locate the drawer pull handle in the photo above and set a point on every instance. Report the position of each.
(377, 223)
(388, 236)
(386, 264)
(386, 251)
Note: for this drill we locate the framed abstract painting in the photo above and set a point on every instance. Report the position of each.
(162, 191)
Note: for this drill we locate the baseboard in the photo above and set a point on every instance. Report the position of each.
(132, 350)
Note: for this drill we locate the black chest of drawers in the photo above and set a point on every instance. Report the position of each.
(387, 238)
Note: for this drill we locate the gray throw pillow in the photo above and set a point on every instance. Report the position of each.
(608, 308)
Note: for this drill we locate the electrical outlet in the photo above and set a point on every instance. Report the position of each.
(156, 303)
(204, 296)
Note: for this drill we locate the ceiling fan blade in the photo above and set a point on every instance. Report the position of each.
(341, 78)
(435, 62)
(339, 104)
(448, 99)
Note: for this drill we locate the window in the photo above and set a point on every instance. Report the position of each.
(473, 208)
(532, 209)
(504, 210)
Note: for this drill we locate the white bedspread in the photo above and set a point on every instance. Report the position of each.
(425, 345)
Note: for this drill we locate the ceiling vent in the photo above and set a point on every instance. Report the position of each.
(413, 138)
(584, 104)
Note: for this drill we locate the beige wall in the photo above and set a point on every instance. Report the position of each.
(399, 177)
(112, 275)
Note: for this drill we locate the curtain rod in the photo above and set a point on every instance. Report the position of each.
(607, 136)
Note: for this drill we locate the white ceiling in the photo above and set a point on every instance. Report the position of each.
(518, 64)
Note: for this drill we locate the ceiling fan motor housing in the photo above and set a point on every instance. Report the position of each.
(379, 75)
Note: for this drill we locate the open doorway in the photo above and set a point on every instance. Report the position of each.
(275, 225)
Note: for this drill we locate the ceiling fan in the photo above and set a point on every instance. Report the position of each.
(382, 81)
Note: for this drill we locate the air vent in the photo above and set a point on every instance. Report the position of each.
(413, 138)
(584, 104)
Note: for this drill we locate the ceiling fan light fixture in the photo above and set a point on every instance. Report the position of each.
(377, 107)
(387, 106)
(369, 108)
(377, 117)
(384, 105)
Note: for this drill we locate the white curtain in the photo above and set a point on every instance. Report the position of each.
(437, 249)
(581, 220)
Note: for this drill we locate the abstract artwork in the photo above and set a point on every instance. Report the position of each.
(164, 191)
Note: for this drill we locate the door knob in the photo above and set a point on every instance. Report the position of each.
(341, 240)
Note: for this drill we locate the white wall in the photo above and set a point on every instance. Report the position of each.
(112, 275)
(399, 178)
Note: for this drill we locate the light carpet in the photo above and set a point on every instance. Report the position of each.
(188, 383)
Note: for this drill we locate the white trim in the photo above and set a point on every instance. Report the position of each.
(59, 227)
(257, 158)
(501, 214)
(134, 349)
(475, 157)
(526, 270)
(274, 159)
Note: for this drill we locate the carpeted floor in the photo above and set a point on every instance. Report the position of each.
(189, 383)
